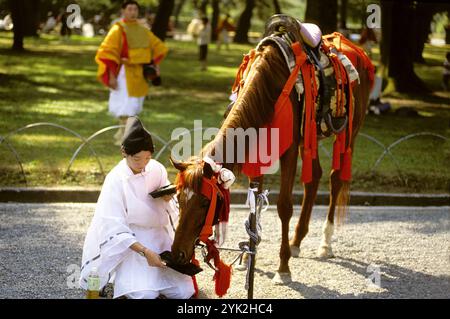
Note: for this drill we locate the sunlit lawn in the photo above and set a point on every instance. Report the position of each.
(55, 82)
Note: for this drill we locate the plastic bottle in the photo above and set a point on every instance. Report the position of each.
(93, 284)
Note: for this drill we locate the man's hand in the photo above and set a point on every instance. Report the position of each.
(153, 259)
(167, 198)
(112, 82)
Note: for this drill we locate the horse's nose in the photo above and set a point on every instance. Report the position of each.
(181, 256)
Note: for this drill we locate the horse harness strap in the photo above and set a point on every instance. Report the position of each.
(222, 275)
(211, 191)
(284, 43)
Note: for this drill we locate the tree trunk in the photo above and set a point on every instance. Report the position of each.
(447, 30)
(179, 5)
(215, 19)
(162, 18)
(203, 7)
(25, 16)
(397, 47)
(244, 23)
(423, 15)
(343, 14)
(326, 19)
(277, 7)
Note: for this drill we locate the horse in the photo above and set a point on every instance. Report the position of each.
(254, 108)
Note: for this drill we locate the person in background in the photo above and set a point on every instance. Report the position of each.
(65, 32)
(50, 23)
(224, 27)
(120, 58)
(194, 26)
(204, 38)
(376, 106)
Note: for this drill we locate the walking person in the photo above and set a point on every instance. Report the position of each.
(204, 38)
(224, 27)
(120, 58)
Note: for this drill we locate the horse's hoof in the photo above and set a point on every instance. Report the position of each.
(325, 252)
(295, 251)
(282, 278)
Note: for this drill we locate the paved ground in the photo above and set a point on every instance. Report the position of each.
(408, 249)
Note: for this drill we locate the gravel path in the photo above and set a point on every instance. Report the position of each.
(40, 252)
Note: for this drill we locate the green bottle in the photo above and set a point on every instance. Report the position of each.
(93, 287)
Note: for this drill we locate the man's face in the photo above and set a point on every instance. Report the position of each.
(131, 12)
(138, 161)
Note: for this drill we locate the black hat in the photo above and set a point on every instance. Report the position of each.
(136, 138)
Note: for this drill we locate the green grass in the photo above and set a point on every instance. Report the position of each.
(55, 82)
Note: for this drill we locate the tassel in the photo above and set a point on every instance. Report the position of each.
(346, 171)
(222, 278)
(194, 279)
(337, 154)
(342, 141)
(307, 167)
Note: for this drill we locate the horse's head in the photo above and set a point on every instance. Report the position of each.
(199, 199)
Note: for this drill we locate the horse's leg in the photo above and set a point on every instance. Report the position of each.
(339, 192)
(309, 196)
(288, 163)
(325, 250)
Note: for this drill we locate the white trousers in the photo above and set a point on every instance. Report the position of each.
(183, 291)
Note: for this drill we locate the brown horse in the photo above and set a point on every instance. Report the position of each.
(254, 108)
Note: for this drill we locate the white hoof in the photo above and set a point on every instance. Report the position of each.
(295, 251)
(282, 278)
(325, 252)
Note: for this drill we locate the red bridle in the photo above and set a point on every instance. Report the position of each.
(211, 190)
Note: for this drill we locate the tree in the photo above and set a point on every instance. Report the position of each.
(343, 14)
(25, 16)
(423, 15)
(323, 13)
(215, 19)
(244, 22)
(397, 46)
(277, 7)
(179, 5)
(162, 17)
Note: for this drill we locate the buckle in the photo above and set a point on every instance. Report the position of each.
(340, 122)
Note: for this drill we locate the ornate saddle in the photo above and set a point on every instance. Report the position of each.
(333, 70)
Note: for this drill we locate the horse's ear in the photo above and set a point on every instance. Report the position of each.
(207, 170)
(178, 164)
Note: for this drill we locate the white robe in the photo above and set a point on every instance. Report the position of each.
(120, 103)
(126, 214)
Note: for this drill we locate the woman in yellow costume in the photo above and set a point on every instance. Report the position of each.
(127, 46)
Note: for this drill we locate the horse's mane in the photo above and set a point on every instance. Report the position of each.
(254, 106)
(192, 175)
